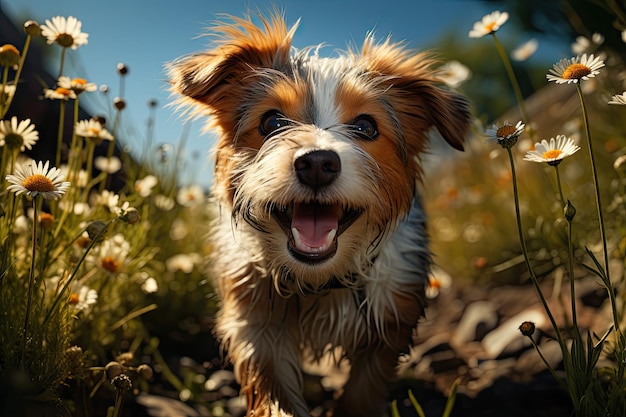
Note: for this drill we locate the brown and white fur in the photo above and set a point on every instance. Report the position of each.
(320, 240)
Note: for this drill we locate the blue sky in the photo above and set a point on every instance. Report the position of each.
(145, 34)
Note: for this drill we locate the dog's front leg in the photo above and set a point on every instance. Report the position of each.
(263, 347)
(365, 392)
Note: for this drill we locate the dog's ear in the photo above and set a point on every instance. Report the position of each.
(242, 47)
(419, 96)
(449, 112)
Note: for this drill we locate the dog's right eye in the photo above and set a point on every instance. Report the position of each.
(271, 122)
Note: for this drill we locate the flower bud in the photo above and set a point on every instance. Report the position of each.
(46, 220)
(569, 211)
(125, 357)
(113, 369)
(122, 69)
(527, 328)
(95, 228)
(145, 372)
(119, 103)
(32, 28)
(131, 216)
(9, 55)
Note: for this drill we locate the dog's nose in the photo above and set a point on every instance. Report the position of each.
(318, 168)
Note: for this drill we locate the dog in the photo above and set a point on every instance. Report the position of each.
(320, 238)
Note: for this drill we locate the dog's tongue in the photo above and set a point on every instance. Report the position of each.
(315, 224)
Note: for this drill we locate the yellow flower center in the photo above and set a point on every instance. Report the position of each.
(63, 91)
(65, 40)
(490, 27)
(576, 71)
(79, 81)
(13, 140)
(434, 283)
(110, 264)
(73, 299)
(94, 131)
(39, 183)
(551, 154)
(505, 131)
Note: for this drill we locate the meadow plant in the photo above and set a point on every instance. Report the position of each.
(594, 389)
(81, 264)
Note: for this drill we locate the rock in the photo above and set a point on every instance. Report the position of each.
(507, 338)
(158, 406)
(479, 318)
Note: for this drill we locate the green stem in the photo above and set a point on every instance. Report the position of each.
(60, 133)
(93, 242)
(74, 153)
(119, 399)
(570, 248)
(558, 183)
(545, 361)
(595, 180)
(520, 231)
(570, 267)
(514, 83)
(31, 278)
(111, 149)
(5, 79)
(91, 147)
(62, 61)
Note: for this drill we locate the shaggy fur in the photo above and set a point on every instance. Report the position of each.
(319, 240)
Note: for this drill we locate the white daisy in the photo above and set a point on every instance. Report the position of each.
(8, 91)
(77, 85)
(584, 44)
(111, 255)
(163, 202)
(489, 24)
(59, 93)
(438, 280)
(36, 179)
(92, 129)
(619, 99)
(525, 50)
(181, 262)
(109, 165)
(572, 70)
(190, 195)
(16, 135)
(453, 74)
(107, 199)
(505, 134)
(86, 296)
(64, 31)
(149, 285)
(552, 152)
(145, 185)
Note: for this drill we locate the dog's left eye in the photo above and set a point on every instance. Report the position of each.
(271, 122)
(365, 127)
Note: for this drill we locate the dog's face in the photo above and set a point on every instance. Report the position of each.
(317, 157)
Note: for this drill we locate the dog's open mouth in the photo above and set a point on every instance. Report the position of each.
(313, 228)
